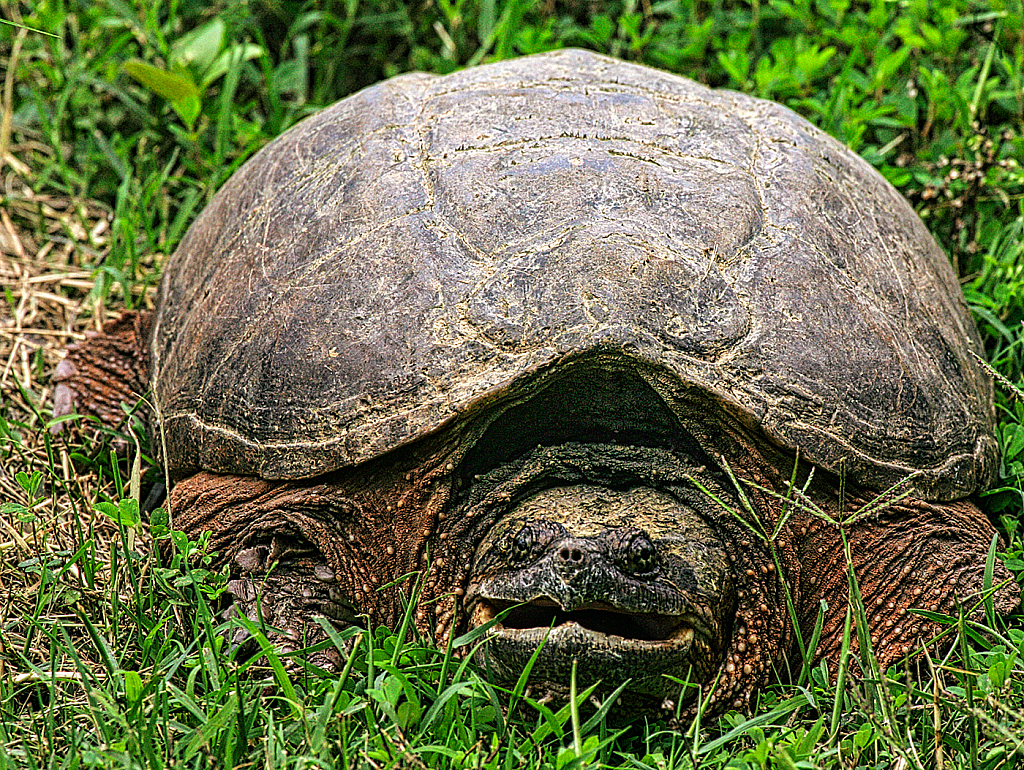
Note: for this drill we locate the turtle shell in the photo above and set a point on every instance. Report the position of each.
(418, 248)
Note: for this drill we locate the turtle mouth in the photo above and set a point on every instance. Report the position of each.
(595, 643)
(543, 616)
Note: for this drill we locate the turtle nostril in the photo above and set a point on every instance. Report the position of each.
(570, 554)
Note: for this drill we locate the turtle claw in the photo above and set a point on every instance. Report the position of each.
(252, 560)
(240, 636)
(242, 590)
(324, 574)
(63, 394)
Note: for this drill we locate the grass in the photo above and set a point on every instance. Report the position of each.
(120, 119)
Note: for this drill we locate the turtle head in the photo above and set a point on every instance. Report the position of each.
(628, 583)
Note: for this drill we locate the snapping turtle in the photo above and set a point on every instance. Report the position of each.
(583, 343)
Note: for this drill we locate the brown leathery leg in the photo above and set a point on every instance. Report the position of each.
(913, 554)
(908, 554)
(104, 371)
(292, 552)
(334, 546)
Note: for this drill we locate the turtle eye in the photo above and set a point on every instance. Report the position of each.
(639, 556)
(528, 542)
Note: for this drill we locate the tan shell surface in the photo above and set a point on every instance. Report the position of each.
(405, 255)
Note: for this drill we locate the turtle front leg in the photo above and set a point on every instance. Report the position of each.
(912, 555)
(283, 587)
(294, 554)
(104, 371)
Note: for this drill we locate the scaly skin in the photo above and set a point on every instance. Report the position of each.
(106, 370)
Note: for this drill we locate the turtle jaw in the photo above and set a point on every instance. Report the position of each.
(605, 643)
(596, 554)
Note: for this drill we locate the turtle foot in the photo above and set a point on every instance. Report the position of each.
(283, 593)
(913, 556)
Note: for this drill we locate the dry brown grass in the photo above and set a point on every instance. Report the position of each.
(47, 245)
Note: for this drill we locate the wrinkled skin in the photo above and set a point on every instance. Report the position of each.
(617, 540)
